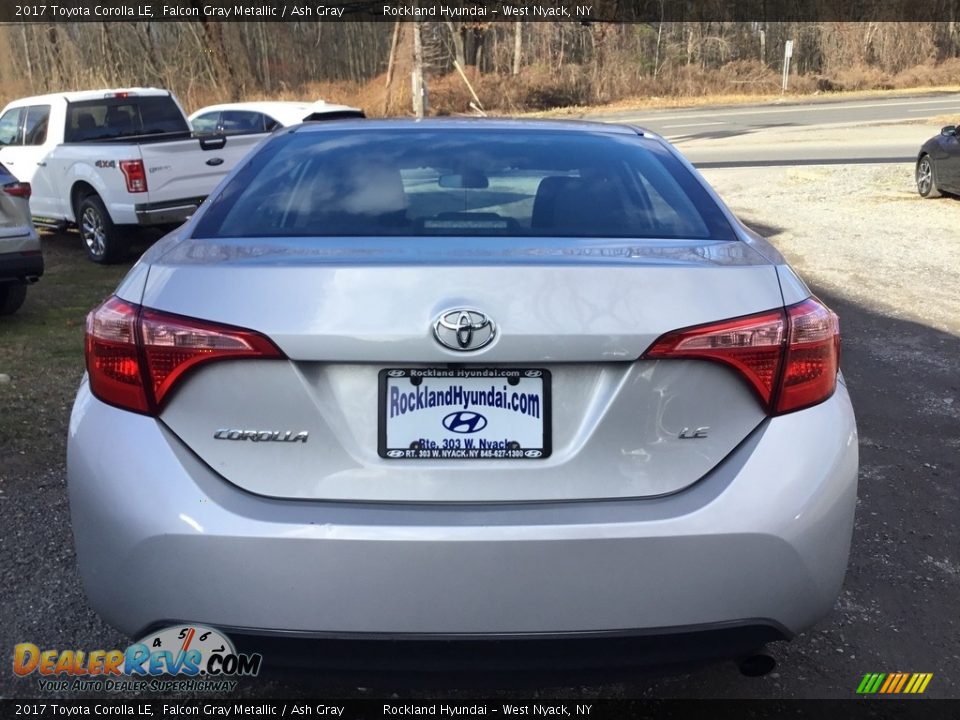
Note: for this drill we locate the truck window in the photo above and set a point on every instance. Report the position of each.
(10, 127)
(130, 116)
(35, 127)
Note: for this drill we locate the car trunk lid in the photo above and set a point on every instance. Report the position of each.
(582, 314)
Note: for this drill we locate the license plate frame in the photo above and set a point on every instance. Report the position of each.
(492, 384)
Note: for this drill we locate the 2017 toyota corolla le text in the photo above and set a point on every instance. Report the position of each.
(478, 380)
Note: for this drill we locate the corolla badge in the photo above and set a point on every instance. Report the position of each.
(463, 329)
(464, 422)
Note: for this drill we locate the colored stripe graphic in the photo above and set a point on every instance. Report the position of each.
(894, 683)
(891, 680)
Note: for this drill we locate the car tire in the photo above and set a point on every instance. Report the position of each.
(12, 296)
(926, 179)
(101, 237)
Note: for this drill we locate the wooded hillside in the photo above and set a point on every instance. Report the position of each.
(513, 66)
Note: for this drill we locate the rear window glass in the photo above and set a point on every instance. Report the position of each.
(206, 123)
(464, 182)
(11, 127)
(235, 122)
(123, 117)
(35, 125)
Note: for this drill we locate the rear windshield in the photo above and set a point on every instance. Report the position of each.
(131, 116)
(463, 182)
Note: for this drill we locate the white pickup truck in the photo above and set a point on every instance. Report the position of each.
(105, 160)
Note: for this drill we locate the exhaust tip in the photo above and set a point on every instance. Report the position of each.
(757, 665)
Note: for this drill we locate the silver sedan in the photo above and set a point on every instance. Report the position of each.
(21, 260)
(466, 380)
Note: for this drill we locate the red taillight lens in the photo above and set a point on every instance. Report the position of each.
(136, 356)
(813, 357)
(113, 362)
(135, 175)
(18, 189)
(172, 345)
(790, 358)
(752, 345)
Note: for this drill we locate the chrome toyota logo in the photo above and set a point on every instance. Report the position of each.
(462, 329)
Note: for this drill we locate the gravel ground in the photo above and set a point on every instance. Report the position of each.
(888, 262)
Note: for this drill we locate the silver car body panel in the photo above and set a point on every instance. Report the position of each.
(16, 228)
(21, 260)
(765, 535)
(626, 526)
(340, 333)
(616, 433)
(19, 243)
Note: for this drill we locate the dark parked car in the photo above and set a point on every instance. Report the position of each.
(938, 164)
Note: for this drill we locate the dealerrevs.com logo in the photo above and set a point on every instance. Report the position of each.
(177, 658)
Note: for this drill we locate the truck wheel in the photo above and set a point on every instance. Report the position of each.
(100, 235)
(12, 296)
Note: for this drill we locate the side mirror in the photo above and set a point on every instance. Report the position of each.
(949, 131)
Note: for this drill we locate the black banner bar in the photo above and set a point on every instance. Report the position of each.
(592, 709)
(627, 11)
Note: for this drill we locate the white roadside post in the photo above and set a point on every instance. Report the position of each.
(787, 54)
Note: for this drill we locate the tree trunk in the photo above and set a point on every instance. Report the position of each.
(418, 105)
(459, 53)
(517, 46)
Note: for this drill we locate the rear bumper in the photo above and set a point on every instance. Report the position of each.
(763, 540)
(569, 657)
(173, 212)
(21, 267)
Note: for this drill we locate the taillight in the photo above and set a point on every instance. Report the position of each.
(18, 189)
(135, 175)
(136, 356)
(113, 361)
(813, 357)
(789, 358)
(173, 345)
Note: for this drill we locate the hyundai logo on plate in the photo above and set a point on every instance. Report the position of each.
(464, 422)
(462, 329)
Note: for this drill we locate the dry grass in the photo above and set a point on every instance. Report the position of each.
(941, 120)
(719, 100)
(576, 90)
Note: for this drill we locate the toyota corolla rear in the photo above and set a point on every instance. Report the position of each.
(464, 380)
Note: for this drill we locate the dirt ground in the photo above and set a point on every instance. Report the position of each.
(886, 260)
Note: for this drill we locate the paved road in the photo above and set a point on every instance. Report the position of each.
(788, 134)
(726, 122)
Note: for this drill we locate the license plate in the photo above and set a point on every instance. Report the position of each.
(464, 414)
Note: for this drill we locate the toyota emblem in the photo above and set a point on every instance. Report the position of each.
(463, 329)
